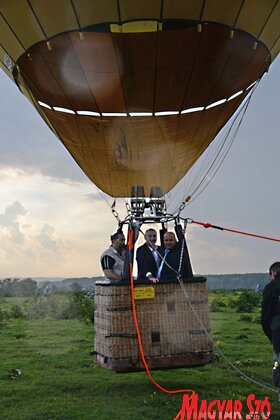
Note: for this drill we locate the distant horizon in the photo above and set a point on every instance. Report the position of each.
(97, 276)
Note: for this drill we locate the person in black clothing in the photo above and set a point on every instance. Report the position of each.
(147, 257)
(270, 317)
(172, 265)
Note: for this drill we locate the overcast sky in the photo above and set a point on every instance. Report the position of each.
(54, 222)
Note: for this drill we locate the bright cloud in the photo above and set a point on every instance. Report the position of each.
(9, 223)
(53, 228)
(25, 242)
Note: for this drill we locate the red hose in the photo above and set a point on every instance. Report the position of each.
(179, 391)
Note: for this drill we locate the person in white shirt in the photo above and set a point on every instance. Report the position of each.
(147, 257)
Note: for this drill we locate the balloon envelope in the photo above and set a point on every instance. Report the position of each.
(136, 91)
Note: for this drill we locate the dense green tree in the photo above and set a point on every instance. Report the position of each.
(75, 287)
(27, 286)
(16, 287)
(247, 301)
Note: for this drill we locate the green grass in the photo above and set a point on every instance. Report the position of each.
(60, 380)
(7, 302)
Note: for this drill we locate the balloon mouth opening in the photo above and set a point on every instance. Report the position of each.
(80, 67)
(146, 114)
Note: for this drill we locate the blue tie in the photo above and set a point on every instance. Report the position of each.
(162, 263)
(156, 257)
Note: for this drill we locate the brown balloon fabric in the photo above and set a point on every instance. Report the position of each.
(168, 71)
(137, 90)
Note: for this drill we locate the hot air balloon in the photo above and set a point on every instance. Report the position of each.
(121, 80)
(136, 91)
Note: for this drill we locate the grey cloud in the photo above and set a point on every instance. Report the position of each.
(12, 212)
(27, 143)
(98, 197)
(11, 228)
(50, 242)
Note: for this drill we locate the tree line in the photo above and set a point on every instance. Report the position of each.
(17, 287)
(28, 287)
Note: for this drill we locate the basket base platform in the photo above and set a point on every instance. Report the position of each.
(175, 331)
(155, 363)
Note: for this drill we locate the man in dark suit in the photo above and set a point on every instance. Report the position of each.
(171, 265)
(147, 257)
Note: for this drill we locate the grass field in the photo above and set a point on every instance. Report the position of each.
(60, 380)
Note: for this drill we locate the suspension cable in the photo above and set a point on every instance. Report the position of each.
(177, 273)
(213, 343)
(215, 155)
(209, 225)
(215, 346)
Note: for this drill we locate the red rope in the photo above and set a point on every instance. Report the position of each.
(209, 225)
(180, 391)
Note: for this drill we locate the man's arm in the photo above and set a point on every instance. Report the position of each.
(266, 315)
(150, 277)
(145, 262)
(108, 263)
(110, 274)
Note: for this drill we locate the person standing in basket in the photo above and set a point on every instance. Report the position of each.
(147, 257)
(173, 260)
(113, 259)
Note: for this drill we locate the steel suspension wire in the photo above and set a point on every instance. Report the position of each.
(219, 157)
(103, 196)
(213, 343)
(216, 347)
(215, 155)
(176, 273)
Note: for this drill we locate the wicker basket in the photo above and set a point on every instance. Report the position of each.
(171, 334)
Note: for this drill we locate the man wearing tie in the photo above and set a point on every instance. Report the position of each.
(147, 257)
(171, 265)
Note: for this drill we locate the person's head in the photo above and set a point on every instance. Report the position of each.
(274, 269)
(169, 240)
(118, 241)
(151, 236)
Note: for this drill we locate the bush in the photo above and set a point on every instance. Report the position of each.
(62, 306)
(52, 306)
(241, 336)
(2, 315)
(246, 318)
(86, 306)
(247, 301)
(16, 312)
(257, 320)
(73, 309)
(216, 305)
